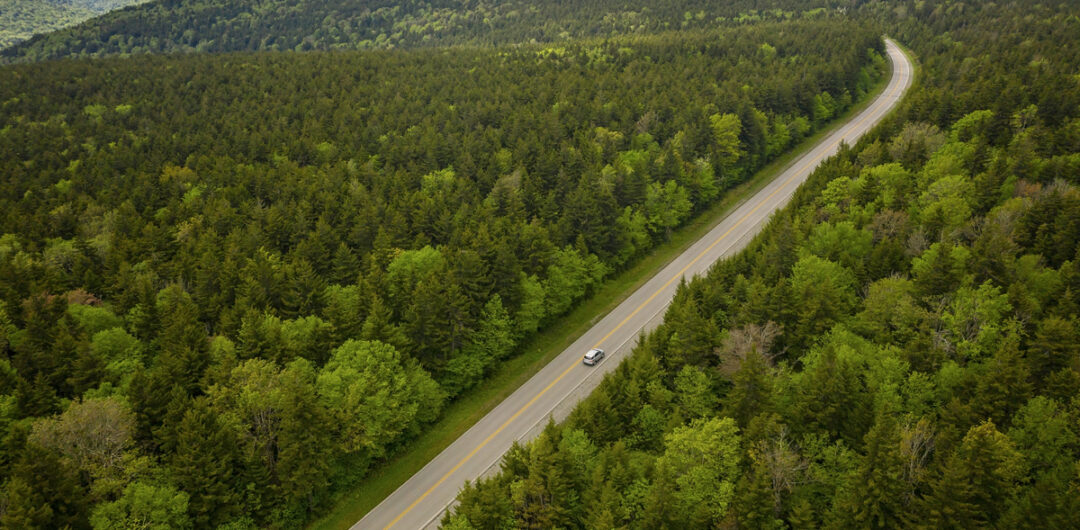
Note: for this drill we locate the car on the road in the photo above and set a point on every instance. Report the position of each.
(593, 356)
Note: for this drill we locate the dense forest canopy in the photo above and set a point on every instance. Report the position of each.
(898, 349)
(171, 26)
(22, 19)
(230, 281)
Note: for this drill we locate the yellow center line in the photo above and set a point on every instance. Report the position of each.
(883, 102)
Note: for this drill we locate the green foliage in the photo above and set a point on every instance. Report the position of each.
(983, 470)
(841, 243)
(570, 277)
(1041, 431)
(43, 491)
(144, 505)
(700, 464)
(822, 291)
(492, 341)
(878, 487)
(94, 319)
(726, 129)
(207, 465)
(93, 435)
(666, 205)
(411, 267)
(693, 389)
(375, 397)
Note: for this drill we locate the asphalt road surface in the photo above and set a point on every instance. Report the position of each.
(422, 500)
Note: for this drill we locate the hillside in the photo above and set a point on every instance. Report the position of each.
(898, 349)
(176, 26)
(22, 19)
(228, 259)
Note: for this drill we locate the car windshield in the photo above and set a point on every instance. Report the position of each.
(591, 354)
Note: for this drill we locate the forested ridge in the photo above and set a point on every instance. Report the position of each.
(21, 19)
(176, 26)
(232, 283)
(899, 348)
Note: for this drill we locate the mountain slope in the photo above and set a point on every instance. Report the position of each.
(172, 26)
(22, 19)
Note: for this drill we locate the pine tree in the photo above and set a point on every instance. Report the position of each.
(754, 503)
(87, 370)
(802, 516)
(44, 491)
(302, 293)
(1004, 386)
(207, 465)
(304, 451)
(25, 507)
(36, 398)
(346, 266)
(977, 478)
(751, 391)
(378, 326)
(878, 487)
(183, 340)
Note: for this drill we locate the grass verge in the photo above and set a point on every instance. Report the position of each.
(468, 408)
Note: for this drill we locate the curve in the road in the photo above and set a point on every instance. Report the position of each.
(562, 383)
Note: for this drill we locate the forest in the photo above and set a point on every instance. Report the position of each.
(899, 348)
(231, 284)
(22, 19)
(179, 26)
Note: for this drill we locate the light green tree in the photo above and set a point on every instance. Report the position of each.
(693, 389)
(632, 234)
(975, 320)
(666, 205)
(1042, 431)
(726, 129)
(93, 318)
(532, 310)
(408, 268)
(373, 395)
(823, 292)
(144, 505)
(841, 243)
(570, 277)
(700, 465)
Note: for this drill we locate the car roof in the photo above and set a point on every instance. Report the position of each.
(594, 351)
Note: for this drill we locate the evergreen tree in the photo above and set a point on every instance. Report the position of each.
(304, 452)
(754, 504)
(44, 491)
(878, 488)
(975, 480)
(207, 465)
(379, 326)
(751, 390)
(183, 341)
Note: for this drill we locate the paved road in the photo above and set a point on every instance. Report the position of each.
(553, 391)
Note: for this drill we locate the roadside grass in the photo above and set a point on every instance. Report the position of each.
(469, 407)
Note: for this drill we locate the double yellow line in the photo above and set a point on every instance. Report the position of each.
(883, 101)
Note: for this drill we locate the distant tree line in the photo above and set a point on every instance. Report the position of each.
(899, 348)
(180, 26)
(228, 282)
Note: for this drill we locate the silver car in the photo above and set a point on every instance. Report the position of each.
(594, 356)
